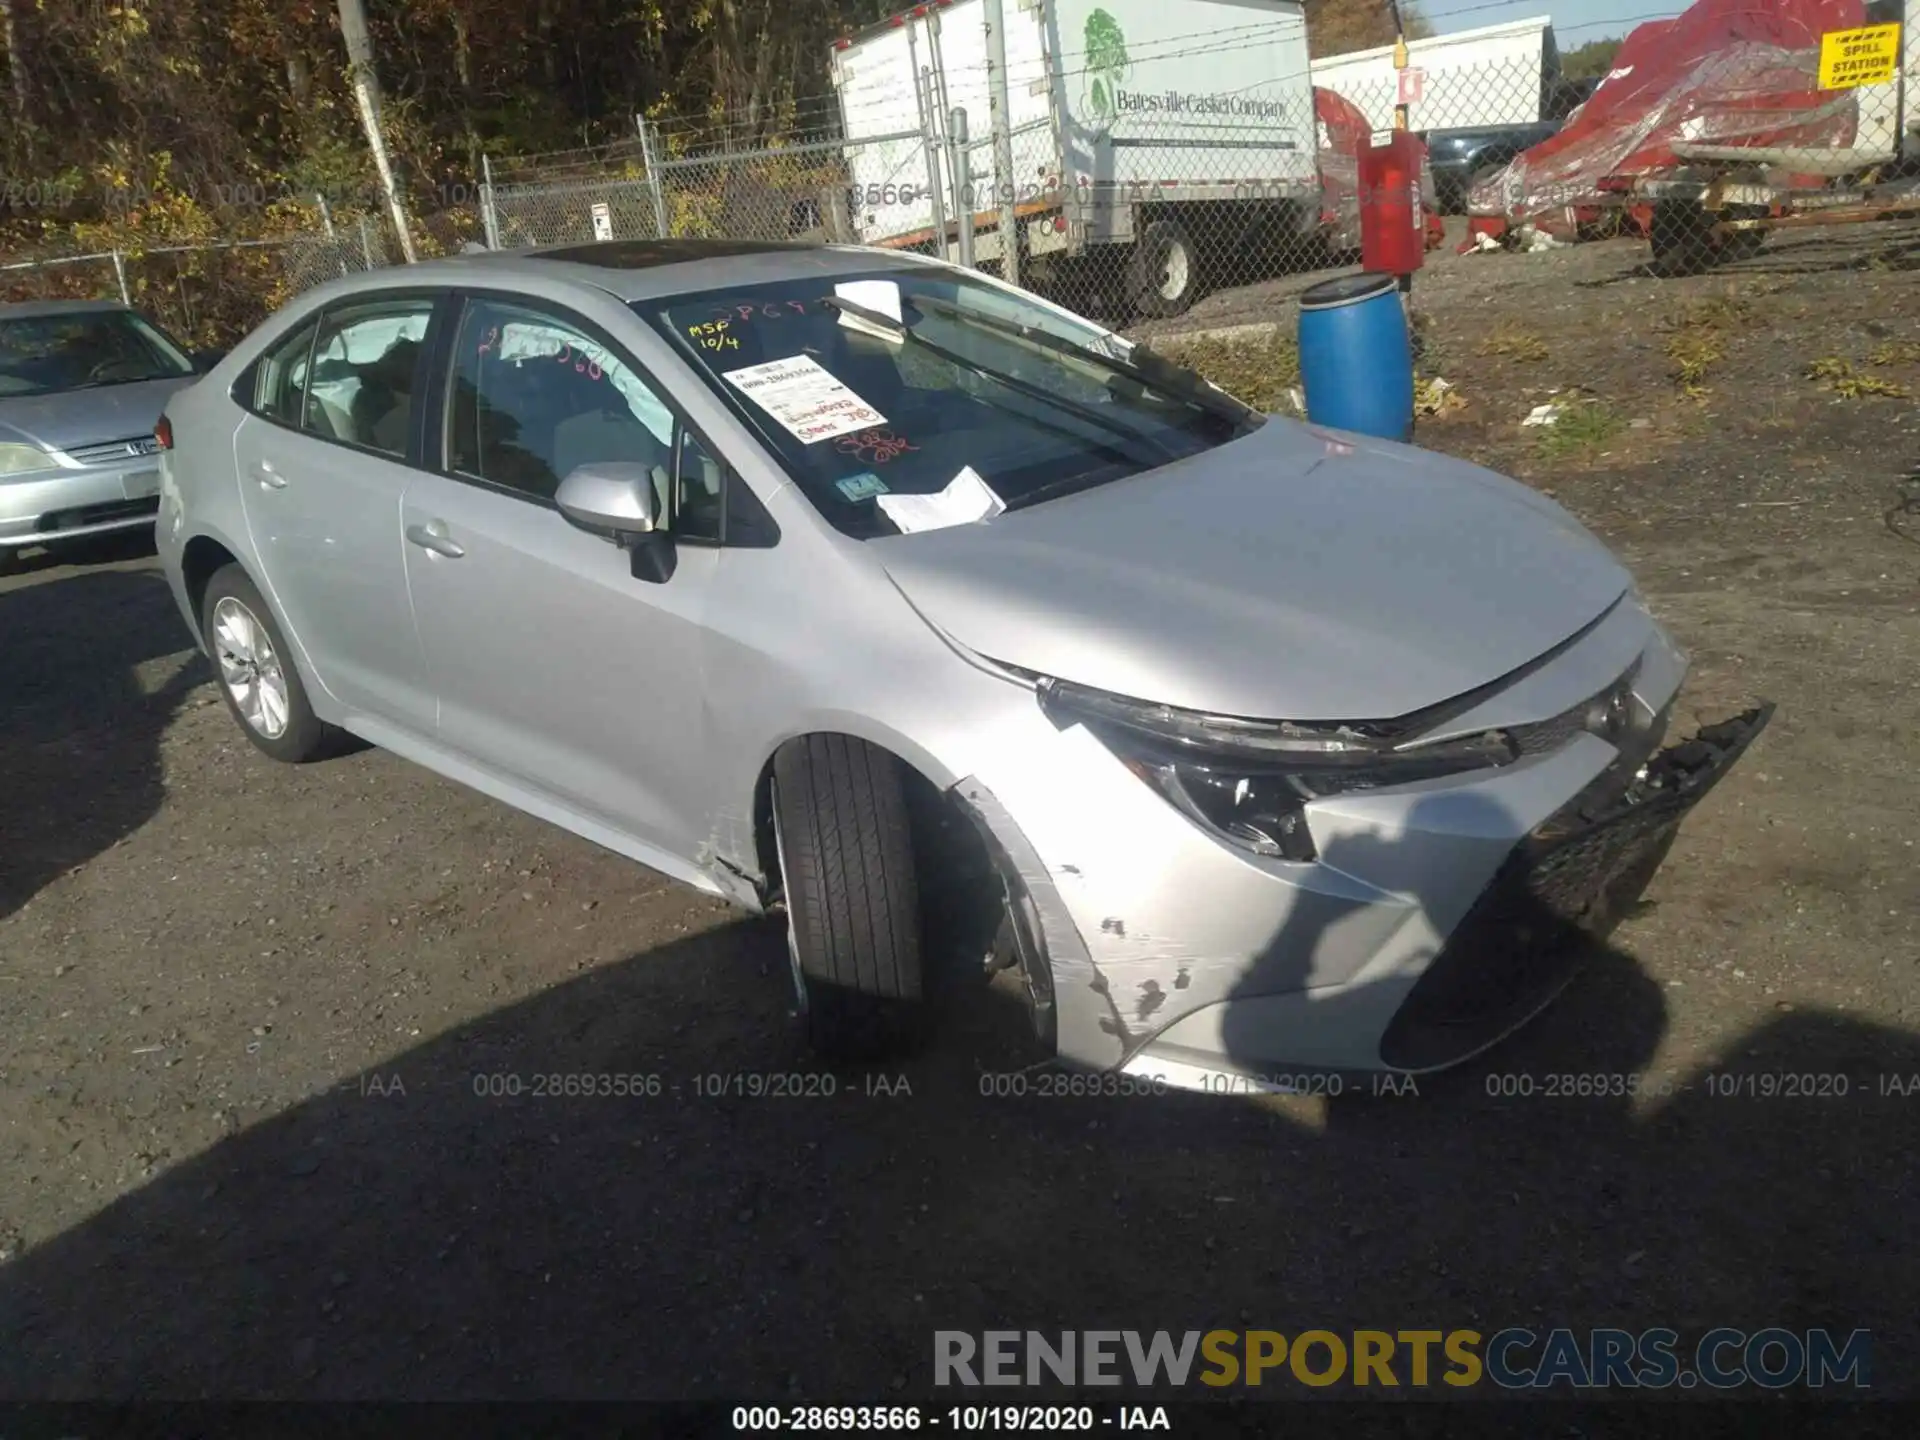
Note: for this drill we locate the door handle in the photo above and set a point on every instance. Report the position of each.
(269, 478)
(433, 536)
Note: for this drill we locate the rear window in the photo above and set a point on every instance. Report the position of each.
(900, 382)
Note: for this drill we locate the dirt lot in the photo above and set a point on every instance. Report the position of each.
(244, 1008)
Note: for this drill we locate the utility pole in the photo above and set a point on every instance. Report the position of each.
(366, 97)
(1399, 66)
(962, 181)
(999, 113)
(1400, 128)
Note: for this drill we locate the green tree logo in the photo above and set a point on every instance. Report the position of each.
(1106, 57)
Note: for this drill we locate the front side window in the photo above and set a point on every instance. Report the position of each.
(359, 384)
(900, 382)
(534, 397)
(83, 350)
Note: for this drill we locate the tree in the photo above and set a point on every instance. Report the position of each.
(1591, 60)
(1337, 27)
(14, 40)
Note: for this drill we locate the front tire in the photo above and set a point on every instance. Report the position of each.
(257, 676)
(845, 850)
(1164, 274)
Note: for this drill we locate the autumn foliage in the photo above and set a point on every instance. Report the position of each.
(134, 124)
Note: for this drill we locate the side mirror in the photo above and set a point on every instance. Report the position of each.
(618, 501)
(205, 360)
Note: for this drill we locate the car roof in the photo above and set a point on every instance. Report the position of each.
(29, 309)
(637, 269)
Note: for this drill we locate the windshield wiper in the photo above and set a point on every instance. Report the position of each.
(1158, 372)
(1000, 377)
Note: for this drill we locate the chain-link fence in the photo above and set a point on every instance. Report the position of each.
(571, 197)
(1140, 173)
(205, 293)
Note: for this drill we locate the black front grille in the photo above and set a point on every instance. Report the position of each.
(1554, 900)
(103, 514)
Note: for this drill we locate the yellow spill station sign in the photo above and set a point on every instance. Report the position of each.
(1859, 57)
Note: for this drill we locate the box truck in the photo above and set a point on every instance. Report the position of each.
(1494, 75)
(1144, 134)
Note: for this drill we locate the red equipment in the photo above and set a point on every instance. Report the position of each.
(1393, 231)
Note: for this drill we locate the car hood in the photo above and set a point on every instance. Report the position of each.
(70, 418)
(1297, 574)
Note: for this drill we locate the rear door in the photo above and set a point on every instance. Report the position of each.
(323, 463)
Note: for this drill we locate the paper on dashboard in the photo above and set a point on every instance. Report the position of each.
(806, 398)
(966, 499)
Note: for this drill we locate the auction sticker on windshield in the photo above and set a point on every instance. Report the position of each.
(804, 396)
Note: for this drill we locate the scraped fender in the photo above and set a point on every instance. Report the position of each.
(1095, 1036)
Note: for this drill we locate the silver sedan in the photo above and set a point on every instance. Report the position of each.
(776, 568)
(81, 384)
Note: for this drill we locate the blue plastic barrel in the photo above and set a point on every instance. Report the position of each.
(1356, 358)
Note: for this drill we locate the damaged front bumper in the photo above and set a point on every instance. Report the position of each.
(1494, 959)
(1560, 893)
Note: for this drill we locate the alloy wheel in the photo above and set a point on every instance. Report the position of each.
(250, 668)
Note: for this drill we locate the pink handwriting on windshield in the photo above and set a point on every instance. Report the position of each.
(876, 446)
(767, 310)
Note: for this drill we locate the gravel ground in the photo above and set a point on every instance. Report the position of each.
(245, 1009)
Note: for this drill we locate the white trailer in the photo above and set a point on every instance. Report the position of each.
(1472, 79)
(1168, 128)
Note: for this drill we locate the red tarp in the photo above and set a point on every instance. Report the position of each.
(1344, 133)
(1724, 72)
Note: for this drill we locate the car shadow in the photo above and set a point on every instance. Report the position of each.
(459, 1221)
(81, 718)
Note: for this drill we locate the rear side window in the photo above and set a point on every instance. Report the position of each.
(360, 385)
(280, 387)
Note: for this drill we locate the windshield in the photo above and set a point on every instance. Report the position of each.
(45, 354)
(911, 382)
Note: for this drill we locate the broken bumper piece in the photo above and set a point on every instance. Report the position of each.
(1558, 896)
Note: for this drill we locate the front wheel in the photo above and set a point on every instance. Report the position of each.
(1164, 274)
(262, 688)
(845, 851)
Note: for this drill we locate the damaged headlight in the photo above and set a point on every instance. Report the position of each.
(1248, 780)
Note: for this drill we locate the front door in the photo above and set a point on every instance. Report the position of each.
(554, 666)
(322, 459)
